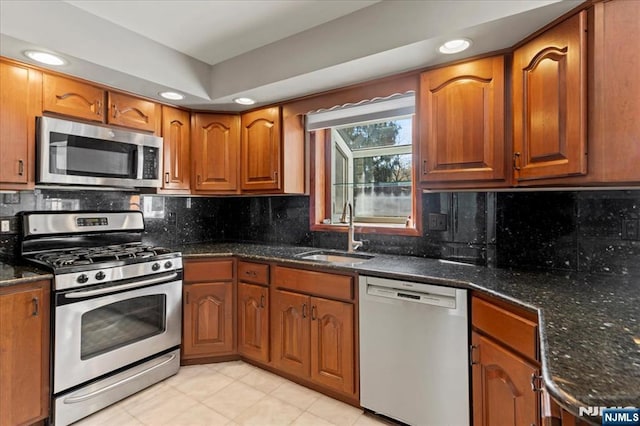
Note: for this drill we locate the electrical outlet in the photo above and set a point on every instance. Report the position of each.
(631, 229)
(9, 225)
(437, 222)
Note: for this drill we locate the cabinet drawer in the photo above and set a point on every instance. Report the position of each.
(319, 283)
(521, 334)
(253, 272)
(208, 270)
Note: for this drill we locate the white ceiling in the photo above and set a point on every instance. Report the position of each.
(214, 51)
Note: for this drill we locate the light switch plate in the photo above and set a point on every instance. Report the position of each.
(5, 225)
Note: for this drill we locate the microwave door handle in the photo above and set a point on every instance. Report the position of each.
(139, 162)
(101, 291)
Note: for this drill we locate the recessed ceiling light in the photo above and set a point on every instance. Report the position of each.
(455, 46)
(172, 95)
(44, 57)
(244, 101)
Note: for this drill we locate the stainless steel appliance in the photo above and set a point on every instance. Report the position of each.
(116, 306)
(84, 154)
(414, 364)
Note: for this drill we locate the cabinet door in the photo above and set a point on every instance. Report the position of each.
(290, 332)
(253, 321)
(208, 319)
(129, 111)
(215, 152)
(550, 103)
(24, 353)
(70, 97)
(614, 92)
(462, 118)
(175, 132)
(260, 165)
(502, 393)
(20, 100)
(332, 344)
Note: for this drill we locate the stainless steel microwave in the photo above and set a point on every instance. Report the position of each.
(72, 153)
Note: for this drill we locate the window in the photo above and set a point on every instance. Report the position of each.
(366, 156)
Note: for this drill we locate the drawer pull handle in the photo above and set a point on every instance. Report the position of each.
(304, 310)
(166, 177)
(536, 382)
(186, 296)
(472, 349)
(262, 301)
(98, 108)
(251, 273)
(36, 306)
(516, 161)
(20, 167)
(314, 313)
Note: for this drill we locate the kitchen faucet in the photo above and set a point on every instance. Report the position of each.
(352, 244)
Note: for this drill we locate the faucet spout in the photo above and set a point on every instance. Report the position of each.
(353, 244)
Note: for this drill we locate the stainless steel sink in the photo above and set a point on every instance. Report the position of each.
(330, 256)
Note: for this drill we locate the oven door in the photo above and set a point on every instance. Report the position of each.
(101, 330)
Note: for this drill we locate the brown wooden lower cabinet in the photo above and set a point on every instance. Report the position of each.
(506, 384)
(24, 353)
(313, 338)
(208, 319)
(502, 393)
(253, 321)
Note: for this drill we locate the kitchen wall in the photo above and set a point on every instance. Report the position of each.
(571, 230)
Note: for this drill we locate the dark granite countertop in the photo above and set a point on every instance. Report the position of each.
(589, 323)
(17, 273)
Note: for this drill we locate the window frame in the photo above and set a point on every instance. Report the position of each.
(321, 145)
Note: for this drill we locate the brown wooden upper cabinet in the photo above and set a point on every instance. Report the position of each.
(73, 98)
(176, 135)
(550, 103)
(20, 103)
(136, 113)
(614, 93)
(215, 150)
(82, 100)
(462, 123)
(260, 164)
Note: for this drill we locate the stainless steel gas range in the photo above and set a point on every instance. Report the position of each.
(116, 314)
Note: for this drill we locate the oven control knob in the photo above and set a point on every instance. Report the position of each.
(155, 266)
(82, 278)
(168, 264)
(100, 276)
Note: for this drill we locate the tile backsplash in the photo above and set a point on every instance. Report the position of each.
(570, 230)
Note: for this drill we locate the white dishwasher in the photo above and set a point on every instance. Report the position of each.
(414, 352)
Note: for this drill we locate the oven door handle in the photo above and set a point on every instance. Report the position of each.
(89, 293)
(76, 399)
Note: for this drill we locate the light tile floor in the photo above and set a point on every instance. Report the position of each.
(229, 393)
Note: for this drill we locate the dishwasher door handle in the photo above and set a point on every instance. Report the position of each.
(412, 296)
